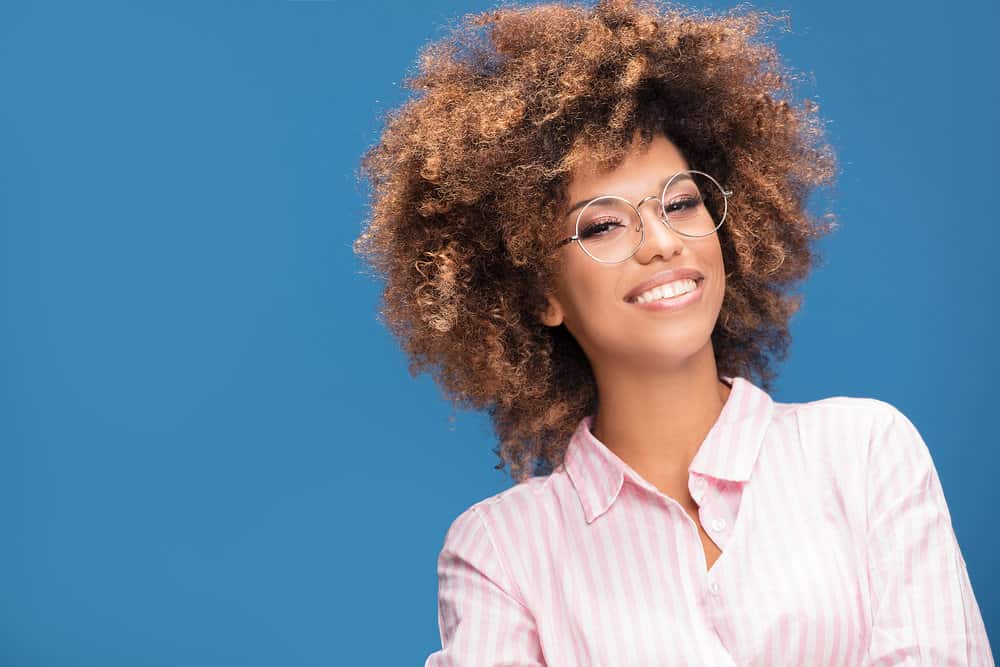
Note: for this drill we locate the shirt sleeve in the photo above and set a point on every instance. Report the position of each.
(482, 623)
(923, 609)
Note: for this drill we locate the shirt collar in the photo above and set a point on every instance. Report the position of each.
(728, 452)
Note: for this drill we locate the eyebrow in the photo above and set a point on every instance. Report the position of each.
(583, 202)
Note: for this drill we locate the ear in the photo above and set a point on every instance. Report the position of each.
(552, 316)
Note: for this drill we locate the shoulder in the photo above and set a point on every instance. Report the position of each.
(839, 414)
(523, 502)
(840, 444)
(838, 409)
(844, 420)
(524, 525)
(861, 437)
(871, 448)
(834, 437)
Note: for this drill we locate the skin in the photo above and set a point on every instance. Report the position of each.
(658, 385)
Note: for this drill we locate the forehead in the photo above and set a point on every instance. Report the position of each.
(641, 169)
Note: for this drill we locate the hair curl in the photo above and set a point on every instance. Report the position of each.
(469, 177)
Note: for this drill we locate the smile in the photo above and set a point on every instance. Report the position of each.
(671, 296)
(668, 290)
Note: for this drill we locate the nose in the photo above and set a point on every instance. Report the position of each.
(658, 238)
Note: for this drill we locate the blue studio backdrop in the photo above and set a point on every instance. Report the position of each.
(211, 452)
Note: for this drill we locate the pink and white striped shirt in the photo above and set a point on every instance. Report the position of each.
(837, 549)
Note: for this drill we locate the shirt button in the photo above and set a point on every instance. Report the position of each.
(714, 587)
(718, 524)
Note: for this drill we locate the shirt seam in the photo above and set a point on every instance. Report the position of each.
(890, 438)
(489, 536)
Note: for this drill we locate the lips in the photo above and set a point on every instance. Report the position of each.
(662, 278)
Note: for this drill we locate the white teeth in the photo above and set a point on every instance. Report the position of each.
(676, 288)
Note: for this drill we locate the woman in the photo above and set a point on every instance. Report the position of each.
(590, 221)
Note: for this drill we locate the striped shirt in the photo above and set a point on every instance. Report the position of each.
(837, 548)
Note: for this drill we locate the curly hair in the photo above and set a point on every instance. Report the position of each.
(468, 181)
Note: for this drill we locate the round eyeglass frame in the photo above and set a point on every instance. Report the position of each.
(663, 216)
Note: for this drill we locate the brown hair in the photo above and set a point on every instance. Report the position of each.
(468, 181)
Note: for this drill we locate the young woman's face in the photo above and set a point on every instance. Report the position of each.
(590, 297)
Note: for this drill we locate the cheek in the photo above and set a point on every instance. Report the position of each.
(589, 300)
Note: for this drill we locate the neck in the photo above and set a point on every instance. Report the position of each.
(656, 421)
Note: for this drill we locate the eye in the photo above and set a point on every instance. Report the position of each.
(600, 227)
(682, 203)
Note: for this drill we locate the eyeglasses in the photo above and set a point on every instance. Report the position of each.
(610, 229)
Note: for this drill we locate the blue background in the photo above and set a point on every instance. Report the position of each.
(210, 450)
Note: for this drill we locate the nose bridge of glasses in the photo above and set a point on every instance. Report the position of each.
(651, 236)
(642, 202)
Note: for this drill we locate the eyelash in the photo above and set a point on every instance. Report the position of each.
(592, 227)
(689, 200)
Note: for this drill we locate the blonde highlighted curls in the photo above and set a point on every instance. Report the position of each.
(468, 180)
